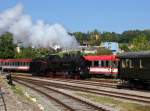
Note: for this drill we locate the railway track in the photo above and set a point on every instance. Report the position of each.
(85, 82)
(70, 103)
(2, 102)
(75, 87)
(103, 83)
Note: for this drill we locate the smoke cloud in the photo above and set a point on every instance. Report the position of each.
(38, 34)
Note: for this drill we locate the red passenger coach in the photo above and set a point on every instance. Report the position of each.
(106, 65)
(15, 64)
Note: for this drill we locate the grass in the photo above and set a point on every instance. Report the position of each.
(17, 90)
(122, 105)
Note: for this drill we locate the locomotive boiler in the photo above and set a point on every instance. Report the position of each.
(67, 65)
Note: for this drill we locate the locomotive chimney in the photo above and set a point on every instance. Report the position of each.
(19, 43)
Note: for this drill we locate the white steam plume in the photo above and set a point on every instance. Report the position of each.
(40, 34)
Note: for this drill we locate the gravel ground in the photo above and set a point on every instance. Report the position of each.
(15, 102)
(141, 93)
(43, 102)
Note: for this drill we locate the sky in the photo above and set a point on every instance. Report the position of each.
(87, 15)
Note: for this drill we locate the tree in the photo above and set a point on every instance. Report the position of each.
(7, 47)
(128, 36)
(124, 47)
(29, 52)
(81, 37)
(140, 43)
(110, 37)
(94, 38)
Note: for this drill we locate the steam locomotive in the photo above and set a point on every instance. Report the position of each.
(68, 65)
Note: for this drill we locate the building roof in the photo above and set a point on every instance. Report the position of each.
(100, 57)
(135, 54)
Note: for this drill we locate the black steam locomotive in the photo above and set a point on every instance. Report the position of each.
(68, 65)
(134, 69)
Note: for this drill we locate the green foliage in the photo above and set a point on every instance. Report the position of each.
(73, 53)
(7, 47)
(140, 43)
(110, 36)
(94, 38)
(104, 51)
(81, 37)
(33, 52)
(124, 47)
(26, 53)
(128, 36)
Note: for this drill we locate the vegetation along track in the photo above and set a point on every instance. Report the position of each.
(69, 102)
(126, 96)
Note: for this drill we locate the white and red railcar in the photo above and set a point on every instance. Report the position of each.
(15, 64)
(106, 65)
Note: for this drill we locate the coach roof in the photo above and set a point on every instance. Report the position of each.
(135, 54)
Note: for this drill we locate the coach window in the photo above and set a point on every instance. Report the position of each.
(22, 63)
(102, 63)
(114, 64)
(19, 63)
(141, 64)
(127, 63)
(146, 63)
(123, 63)
(136, 63)
(99, 63)
(15, 63)
(95, 63)
(26, 64)
(107, 63)
(131, 63)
